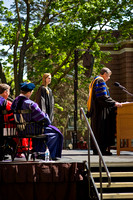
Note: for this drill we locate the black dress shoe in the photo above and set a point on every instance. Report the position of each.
(95, 152)
(104, 153)
(3, 158)
(56, 158)
(40, 156)
(107, 153)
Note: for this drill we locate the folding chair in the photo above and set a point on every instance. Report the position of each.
(7, 133)
(28, 129)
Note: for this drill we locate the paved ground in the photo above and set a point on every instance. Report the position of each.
(125, 158)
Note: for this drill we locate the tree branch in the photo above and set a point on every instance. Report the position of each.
(63, 63)
(46, 20)
(66, 72)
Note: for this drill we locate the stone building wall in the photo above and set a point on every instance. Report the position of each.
(121, 66)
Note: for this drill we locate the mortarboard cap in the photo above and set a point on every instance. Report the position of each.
(27, 86)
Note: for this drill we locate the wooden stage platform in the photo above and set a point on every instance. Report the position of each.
(63, 179)
(69, 156)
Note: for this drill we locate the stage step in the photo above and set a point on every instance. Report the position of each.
(121, 183)
(118, 196)
(113, 174)
(115, 185)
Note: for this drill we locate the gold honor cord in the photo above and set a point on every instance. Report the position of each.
(90, 92)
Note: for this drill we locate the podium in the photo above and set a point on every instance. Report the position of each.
(124, 127)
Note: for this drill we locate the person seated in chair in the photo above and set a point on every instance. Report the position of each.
(82, 144)
(6, 119)
(54, 136)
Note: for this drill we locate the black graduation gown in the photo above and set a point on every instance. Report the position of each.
(103, 118)
(45, 101)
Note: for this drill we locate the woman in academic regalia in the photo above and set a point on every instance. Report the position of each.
(44, 97)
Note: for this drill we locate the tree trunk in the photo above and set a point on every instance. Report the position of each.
(2, 75)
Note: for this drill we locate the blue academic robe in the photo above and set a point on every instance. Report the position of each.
(54, 136)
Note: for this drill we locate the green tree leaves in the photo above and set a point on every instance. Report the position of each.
(40, 36)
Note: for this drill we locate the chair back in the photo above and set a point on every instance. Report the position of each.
(25, 126)
(7, 124)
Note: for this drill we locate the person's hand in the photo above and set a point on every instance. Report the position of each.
(117, 104)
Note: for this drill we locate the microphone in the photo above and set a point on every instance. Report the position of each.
(119, 85)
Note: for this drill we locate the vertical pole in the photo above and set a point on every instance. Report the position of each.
(75, 98)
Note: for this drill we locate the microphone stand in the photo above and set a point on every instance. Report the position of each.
(125, 90)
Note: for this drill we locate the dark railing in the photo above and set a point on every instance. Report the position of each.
(65, 131)
(101, 160)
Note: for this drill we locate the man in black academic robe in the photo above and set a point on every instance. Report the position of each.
(102, 108)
